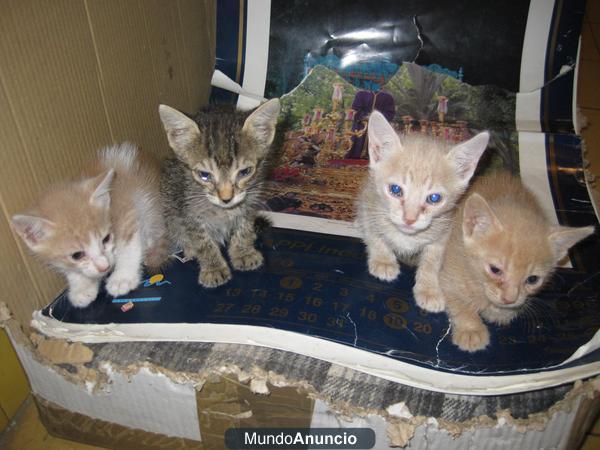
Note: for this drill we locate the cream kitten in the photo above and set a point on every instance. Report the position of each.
(405, 207)
(108, 221)
(501, 251)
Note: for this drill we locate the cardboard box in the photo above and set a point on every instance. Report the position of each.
(185, 395)
(77, 76)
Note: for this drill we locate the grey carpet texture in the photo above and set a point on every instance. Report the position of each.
(334, 382)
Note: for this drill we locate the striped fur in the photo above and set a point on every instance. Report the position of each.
(212, 188)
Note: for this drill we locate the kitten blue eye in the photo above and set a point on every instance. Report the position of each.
(395, 190)
(204, 176)
(245, 172)
(532, 279)
(434, 198)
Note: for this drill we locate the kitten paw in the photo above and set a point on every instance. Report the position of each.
(251, 260)
(384, 270)
(118, 284)
(430, 299)
(471, 339)
(81, 298)
(211, 277)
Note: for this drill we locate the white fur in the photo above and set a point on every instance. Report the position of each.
(101, 260)
(128, 267)
(123, 156)
(82, 290)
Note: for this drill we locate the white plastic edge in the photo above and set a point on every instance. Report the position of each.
(353, 358)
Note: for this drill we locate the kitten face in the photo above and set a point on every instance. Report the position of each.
(223, 153)
(514, 257)
(419, 179)
(412, 198)
(71, 227)
(225, 186)
(511, 271)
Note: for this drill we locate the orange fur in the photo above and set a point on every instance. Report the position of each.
(500, 227)
(107, 220)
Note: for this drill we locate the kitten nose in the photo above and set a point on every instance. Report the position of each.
(408, 221)
(101, 264)
(510, 294)
(225, 192)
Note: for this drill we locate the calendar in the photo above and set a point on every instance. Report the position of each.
(317, 286)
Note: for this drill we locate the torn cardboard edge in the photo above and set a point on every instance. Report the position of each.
(402, 423)
(224, 410)
(402, 427)
(54, 352)
(325, 350)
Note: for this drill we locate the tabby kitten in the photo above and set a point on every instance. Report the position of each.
(501, 251)
(109, 221)
(405, 208)
(212, 189)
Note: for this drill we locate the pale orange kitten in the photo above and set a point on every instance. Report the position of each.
(109, 221)
(501, 251)
(405, 207)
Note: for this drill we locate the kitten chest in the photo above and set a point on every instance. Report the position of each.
(220, 223)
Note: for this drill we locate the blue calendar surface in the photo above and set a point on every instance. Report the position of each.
(318, 285)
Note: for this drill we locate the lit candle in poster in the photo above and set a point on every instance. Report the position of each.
(442, 107)
(338, 95)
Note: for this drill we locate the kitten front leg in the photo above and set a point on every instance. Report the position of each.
(381, 260)
(82, 290)
(128, 267)
(214, 270)
(469, 332)
(241, 250)
(427, 292)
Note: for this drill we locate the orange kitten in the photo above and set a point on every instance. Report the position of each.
(501, 251)
(109, 221)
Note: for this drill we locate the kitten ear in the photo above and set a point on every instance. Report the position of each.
(181, 131)
(381, 137)
(32, 229)
(261, 124)
(101, 185)
(465, 155)
(563, 238)
(478, 218)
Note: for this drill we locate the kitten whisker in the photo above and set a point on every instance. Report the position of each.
(542, 311)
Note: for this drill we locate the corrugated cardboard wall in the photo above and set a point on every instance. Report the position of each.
(76, 75)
